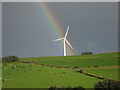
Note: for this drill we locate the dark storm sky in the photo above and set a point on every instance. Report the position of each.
(26, 32)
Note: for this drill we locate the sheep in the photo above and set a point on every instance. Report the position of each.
(5, 79)
(14, 66)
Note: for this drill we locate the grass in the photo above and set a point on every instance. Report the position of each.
(0, 75)
(45, 78)
(78, 61)
(107, 73)
(37, 76)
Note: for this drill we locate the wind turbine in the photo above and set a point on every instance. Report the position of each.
(65, 41)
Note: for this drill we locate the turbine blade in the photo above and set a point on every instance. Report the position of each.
(66, 32)
(57, 39)
(68, 43)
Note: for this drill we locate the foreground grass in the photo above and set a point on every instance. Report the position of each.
(37, 76)
(43, 77)
(0, 75)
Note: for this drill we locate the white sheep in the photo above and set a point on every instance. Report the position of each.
(5, 79)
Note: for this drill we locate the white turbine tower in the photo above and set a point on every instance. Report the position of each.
(65, 41)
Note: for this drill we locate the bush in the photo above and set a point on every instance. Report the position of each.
(96, 66)
(107, 85)
(75, 67)
(68, 88)
(86, 53)
(10, 59)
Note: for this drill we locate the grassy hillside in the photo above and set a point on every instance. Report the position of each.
(0, 75)
(39, 77)
(106, 59)
(30, 75)
(107, 73)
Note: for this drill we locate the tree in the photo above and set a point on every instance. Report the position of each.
(86, 53)
(68, 88)
(10, 59)
(107, 85)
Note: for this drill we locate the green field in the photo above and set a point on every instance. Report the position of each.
(29, 75)
(79, 61)
(107, 73)
(0, 75)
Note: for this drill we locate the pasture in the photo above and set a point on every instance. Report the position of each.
(36, 75)
(111, 73)
(108, 59)
(0, 75)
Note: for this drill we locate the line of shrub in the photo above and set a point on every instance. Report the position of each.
(10, 59)
(68, 88)
(92, 75)
(102, 85)
(107, 85)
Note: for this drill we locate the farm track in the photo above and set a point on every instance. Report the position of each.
(81, 70)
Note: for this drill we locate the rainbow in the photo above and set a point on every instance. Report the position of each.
(53, 22)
